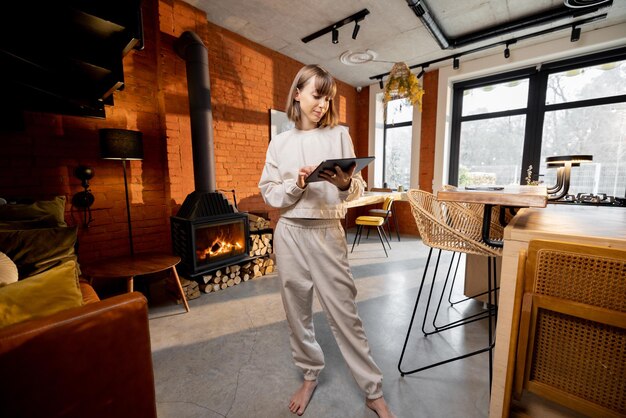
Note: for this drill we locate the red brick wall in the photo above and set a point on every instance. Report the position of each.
(429, 131)
(246, 81)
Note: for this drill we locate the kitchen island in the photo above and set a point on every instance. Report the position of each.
(592, 225)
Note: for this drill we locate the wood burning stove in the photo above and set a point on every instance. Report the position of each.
(207, 231)
(210, 242)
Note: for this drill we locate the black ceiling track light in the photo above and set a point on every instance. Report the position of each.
(570, 9)
(356, 18)
(575, 36)
(456, 56)
(355, 31)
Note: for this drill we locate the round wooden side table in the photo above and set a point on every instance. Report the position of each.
(136, 265)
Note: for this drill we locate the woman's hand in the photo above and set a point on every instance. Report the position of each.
(341, 179)
(304, 173)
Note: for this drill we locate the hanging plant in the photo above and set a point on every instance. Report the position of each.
(403, 84)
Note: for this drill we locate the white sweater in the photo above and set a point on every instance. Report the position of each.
(291, 150)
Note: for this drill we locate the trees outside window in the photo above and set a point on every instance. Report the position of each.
(397, 144)
(504, 124)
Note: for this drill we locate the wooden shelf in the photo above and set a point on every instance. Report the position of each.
(75, 65)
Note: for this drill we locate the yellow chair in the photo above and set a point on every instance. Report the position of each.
(572, 329)
(383, 213)
(374, 221)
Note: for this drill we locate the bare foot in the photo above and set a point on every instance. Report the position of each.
(379, 406)
(301, 398)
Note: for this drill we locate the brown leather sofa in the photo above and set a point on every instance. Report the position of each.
(92, 361)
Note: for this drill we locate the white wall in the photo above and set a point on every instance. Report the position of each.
(521, 57)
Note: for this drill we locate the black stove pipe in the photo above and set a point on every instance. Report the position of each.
(190, 47)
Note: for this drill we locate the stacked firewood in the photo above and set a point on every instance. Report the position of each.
(190, 288)
(257, 223)
(260, 244)
(232, 275)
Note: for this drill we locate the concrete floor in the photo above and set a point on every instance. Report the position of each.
(230, 356)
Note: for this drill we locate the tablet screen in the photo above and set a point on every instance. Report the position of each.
(344, 163)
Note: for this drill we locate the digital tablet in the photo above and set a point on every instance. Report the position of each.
(344, 163)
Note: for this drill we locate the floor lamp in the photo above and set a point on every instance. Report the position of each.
(122, 144)
(563, 164)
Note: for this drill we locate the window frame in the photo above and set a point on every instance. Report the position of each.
(535, 110)
(387, 126)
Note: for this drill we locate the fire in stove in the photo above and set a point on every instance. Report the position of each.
(206, 243)
(219, 246)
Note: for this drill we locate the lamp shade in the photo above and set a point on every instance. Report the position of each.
(560, 164)
(121, 144)
(569, 158)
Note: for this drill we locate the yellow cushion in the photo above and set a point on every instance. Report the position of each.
(40, 295)
(370, 220)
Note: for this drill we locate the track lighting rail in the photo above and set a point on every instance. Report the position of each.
(357, 17)
(507, 42)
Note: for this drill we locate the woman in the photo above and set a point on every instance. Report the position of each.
(309, 241)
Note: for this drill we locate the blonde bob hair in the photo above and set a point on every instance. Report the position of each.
(325, 85)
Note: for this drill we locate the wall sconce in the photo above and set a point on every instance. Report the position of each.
(563, 164)
(122, 144)
(83, 200)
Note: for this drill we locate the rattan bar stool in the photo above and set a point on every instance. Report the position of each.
(499, 218)
(467, 211)
(449, 226)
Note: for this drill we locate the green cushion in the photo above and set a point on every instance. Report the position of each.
(48, 221)
(40, 295)
(36, 250)
(42, 208)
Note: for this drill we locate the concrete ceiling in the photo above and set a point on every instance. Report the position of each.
(391, 30)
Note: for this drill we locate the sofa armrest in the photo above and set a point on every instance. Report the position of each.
(90, 361)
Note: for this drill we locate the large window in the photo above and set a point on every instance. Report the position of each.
(503, 125)
(397, 144)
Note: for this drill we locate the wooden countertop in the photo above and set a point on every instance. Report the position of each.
(596, 225)
(513, 195)
(370, 198)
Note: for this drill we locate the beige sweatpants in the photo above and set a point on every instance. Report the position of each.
(312, 255)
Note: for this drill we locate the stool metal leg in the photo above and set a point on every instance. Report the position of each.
(463, 321)
(488, 348)
(465, 299)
